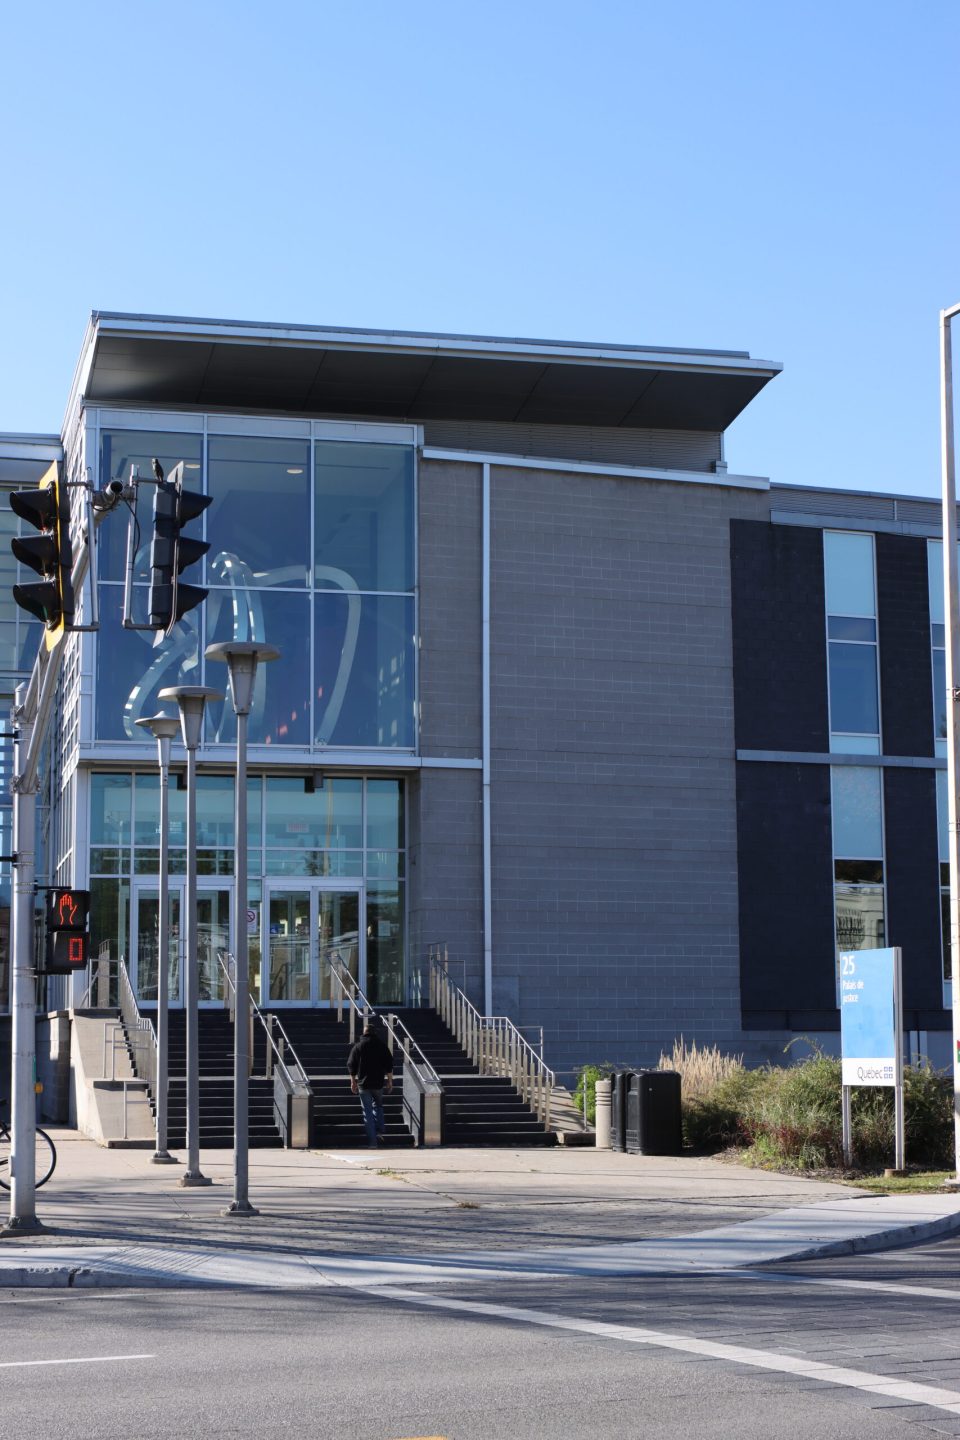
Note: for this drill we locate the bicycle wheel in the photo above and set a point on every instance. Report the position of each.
(45, 1158)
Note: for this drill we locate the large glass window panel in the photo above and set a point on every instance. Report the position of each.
(857, 823)
(859, 914)
(848, 573)
(385, 944)
(146, 828)
(130, 673)
(110, 917)
(289, 945)
(364, 671)
(259, 523)
(329, 818)
(938, 659)
(943, 815)
(853, 689)
(364, 524)
(111, 799)
(385, 815)
(119, 449)
(324, 864)
(935, 581)
(281, 697)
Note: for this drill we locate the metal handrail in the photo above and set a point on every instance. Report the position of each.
(295, 1076)
(140, 1032)
(424, 1071)
(96, 974)
(494, 1044)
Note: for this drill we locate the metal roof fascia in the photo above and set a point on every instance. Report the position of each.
(16, 446)
(558, 352)
(84, 365)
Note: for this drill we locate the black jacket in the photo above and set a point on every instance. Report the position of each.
(369, 1062)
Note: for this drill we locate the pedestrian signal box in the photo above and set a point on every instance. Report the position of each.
(68, 943)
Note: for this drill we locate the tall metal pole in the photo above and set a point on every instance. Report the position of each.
(242, 658)
(163, 728)
(952, 617)
(23, 1193)
(192, 700)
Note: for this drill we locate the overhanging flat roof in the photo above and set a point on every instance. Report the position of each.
(317, 370)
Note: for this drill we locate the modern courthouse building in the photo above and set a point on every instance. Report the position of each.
(640, 740)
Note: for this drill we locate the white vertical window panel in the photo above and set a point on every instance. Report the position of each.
(857, 812)
(849, 573)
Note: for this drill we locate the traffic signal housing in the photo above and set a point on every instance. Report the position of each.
(47, 509)
(171, 551)
(68, 939)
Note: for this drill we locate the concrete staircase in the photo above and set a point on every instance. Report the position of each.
(216, 1085)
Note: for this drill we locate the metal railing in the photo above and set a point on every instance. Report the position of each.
(103, 983)
(494, 1044)
(140, 1033)
(348, 993)
(292, 1091)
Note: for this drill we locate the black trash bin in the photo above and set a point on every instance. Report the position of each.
(618, 1110)
(654, 1122)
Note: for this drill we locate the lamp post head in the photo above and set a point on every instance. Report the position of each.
(242, 658)
(161, 726)
(191, 699)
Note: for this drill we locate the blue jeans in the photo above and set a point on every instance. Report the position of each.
(372, 1103)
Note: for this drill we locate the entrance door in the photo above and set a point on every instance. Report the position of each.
(213, 934)
(306, 927)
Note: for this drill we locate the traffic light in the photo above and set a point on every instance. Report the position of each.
(50, 553)
(68, 942)
(171, 551)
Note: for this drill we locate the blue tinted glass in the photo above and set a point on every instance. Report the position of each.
(130, 672)
(857, 823)
(385, 815)
(259, 523)
(281, 698)
(119, 449)
(110, 797)
(364, 516)
(364, 671)
(853, 689)
(846, 627)
(146, 826)
(326, 818)
(938, 635)
(939, 659)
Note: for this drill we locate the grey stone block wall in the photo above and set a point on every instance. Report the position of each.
(614, 803)
(445, 874)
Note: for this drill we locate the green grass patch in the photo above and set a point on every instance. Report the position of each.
(924, 1182)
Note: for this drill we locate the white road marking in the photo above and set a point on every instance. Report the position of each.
(76, 1360)
(906, 1390)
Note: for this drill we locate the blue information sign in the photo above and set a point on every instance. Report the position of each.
(869, 995)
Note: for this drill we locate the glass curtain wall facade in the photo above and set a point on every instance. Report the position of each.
(851, 608)
(312, 548)
(312, 536)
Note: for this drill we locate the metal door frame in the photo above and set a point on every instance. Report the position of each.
(314, 886)
(148, 883)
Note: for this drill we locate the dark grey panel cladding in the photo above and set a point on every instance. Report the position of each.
(906, 680)
(614, 833)
(445, 873)
(779, 637)
(603, 444)
(787, 950)
(912, 874)
(450, 496)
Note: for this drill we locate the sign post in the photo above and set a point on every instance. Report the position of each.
(871, 1033)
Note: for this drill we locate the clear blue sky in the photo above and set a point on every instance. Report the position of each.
(778, 178)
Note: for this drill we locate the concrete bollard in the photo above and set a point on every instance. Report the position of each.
(603, 1115)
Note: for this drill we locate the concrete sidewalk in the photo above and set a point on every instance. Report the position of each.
(112, 1218)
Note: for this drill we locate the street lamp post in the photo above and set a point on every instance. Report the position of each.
(242, 658)
(191, 700)
(952, 618)
(163, 728)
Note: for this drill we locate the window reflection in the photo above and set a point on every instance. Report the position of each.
(364, 517)
(259, 523)
(130, 673)
(119, 449)
(364, 670)
(281, 699)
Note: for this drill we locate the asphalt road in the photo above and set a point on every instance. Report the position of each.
(693, 1356)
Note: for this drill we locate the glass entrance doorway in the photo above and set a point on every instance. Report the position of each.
(213, 934)
(307, 927)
